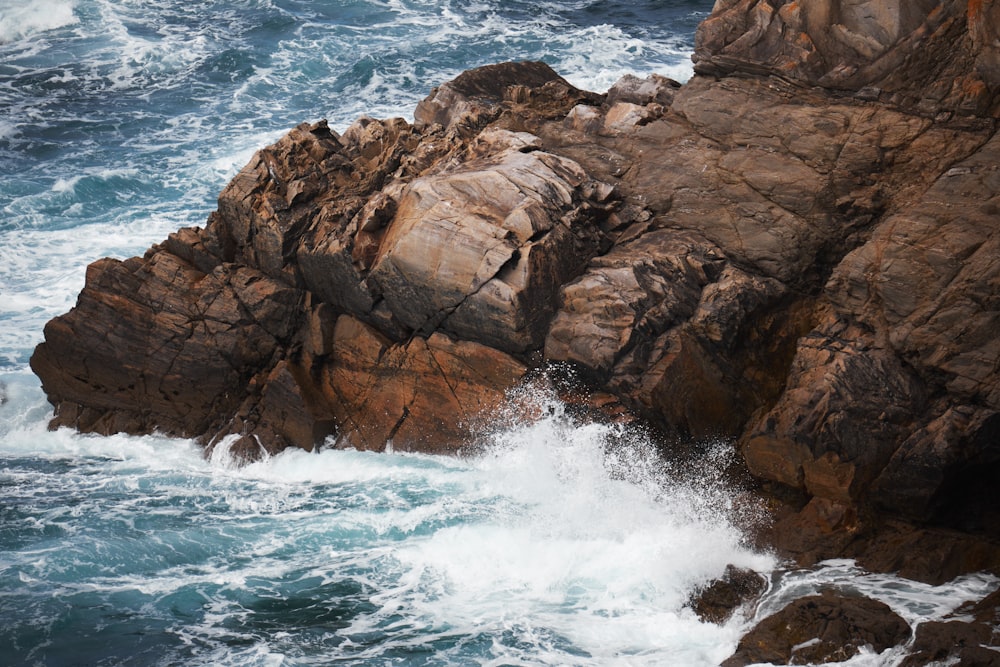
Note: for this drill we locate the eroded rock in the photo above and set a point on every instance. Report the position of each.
(820, 629)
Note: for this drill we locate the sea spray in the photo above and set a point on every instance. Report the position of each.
(550, 545)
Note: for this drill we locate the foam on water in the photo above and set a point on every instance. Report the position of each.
(23, 18)
(557, 543)
(551, 546)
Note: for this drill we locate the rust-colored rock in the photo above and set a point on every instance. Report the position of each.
(429, 394)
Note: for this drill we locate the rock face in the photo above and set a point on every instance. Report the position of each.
(797, 250)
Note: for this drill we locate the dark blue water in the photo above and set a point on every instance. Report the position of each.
(120, 122)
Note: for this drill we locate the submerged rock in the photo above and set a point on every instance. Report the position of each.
(796, 250)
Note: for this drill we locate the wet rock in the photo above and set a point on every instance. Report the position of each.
(720, 599)
(819, 629)
(940, 642)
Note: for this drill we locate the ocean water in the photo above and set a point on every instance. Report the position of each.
(557, 543)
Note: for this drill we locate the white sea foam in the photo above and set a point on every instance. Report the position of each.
(7, 129)
(23, 18)
(914, 601)
(558, 543)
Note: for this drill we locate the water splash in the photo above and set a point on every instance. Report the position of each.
(558, 542)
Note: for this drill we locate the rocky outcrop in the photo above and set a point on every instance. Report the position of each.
(797, 250)
(820, 629)
(929, 56)
(737, 588)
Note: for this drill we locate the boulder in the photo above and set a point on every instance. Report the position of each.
(820, 629)
(480, 251)
(737, 587)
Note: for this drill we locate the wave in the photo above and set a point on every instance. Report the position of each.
(559, 542)
(23, 18)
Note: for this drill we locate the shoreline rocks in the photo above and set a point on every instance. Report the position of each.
(820, 629)
(795, 250)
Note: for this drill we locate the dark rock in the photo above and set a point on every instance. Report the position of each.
(937, 641)
(720, 599)
(821, 628)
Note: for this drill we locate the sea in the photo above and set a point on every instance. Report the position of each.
(557, 542)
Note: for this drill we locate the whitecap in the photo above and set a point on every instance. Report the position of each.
(23, 18)
(66, 184)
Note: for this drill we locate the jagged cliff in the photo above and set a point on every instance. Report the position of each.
(797, 249)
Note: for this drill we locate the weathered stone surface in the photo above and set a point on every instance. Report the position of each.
(654, 89)
(819, 629)
(927, 55)
(429, 394)
(481, 251)
(156, 344)
(796, 249)
(476, 97)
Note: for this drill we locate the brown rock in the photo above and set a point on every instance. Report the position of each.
(944, 641)
(821, 628)
(928, 55)
(480, 251)
(720, 599)
(932, 555)
(849, 403)
(427, 395)
(654, 89)
(822, 529)
(156, 344)
(475, 97)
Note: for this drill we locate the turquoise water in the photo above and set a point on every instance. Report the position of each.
(550, 548)
(559, 544)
